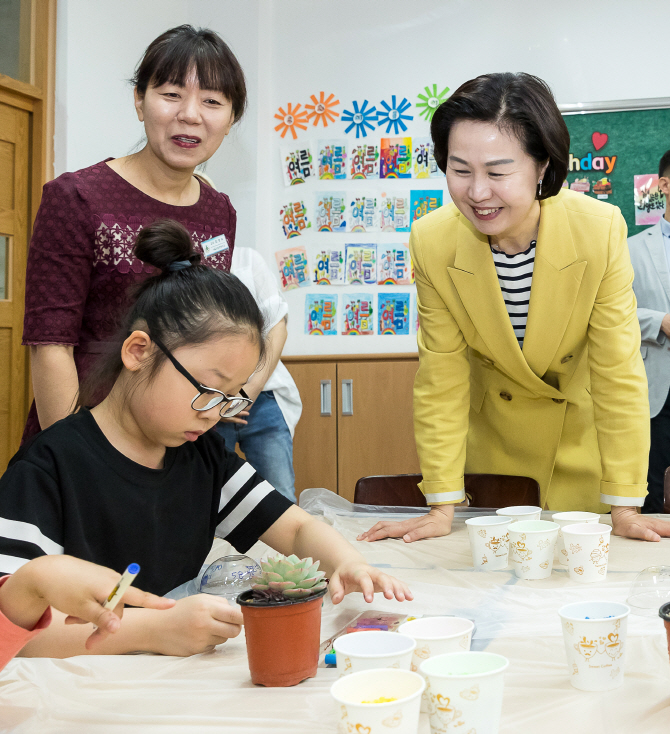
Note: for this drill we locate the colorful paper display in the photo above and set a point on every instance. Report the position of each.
(290, 119)
(395, 158)
(425, 165)
(296, 164)
(329, 267)
(360, 118)
(321, 314)
(393, 310)
(293, 218)
(331, 211)
(430, 101)
(357, 314)
(293, 270)
(394, 212)
(364, 161)
(332, 159)
(393, 115)
(424, 202)
(361, 264)
(649, 201)
(322, 109)
(363, 212)
(394, 267)
(415, 320)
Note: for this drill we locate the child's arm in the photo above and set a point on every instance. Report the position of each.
(297, 532)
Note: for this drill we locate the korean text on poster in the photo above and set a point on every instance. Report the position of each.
(361, 264)
(394, 212)
(425, 165)
(293, 219)
(332, 159)
(296, 164)
(293, 271)
(363, 212)
(364, 161)
(393, 310)
(320, 314)
(394, 266)
(357, 314)
(395, 158)
(649, 201)
(329, 267)
(331, 211)
(424, 202)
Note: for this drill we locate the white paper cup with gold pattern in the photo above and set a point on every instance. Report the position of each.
(588, 546)
(531, 548)
(594, 633)
(520, 513)
(489, 542)
(436, 636)
(465, 691)
(367, 650)
(570, 518)
(379, 701)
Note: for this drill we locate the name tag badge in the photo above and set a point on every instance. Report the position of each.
(216, 244)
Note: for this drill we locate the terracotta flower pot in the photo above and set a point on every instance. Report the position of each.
(664, 614)
(282, 639)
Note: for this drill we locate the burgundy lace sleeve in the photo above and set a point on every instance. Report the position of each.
(60, 260)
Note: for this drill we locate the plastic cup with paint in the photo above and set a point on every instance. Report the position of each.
(436, 636)
(531, 548)
(519, 513)
(588, 546)
(489, 542)
(379, 701)
(594, 633)
(373, 649)
(465, 691)
(570, 518)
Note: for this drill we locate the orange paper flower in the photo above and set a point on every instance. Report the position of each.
(322, 109)
(291, 119)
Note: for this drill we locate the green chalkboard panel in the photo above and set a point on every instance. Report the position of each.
(638, 139)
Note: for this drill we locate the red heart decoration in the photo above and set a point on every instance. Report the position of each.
(599, 140)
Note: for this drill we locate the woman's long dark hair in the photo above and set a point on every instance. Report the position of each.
(186, 303)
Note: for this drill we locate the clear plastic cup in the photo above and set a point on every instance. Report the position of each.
(229, 576)
(650, 590)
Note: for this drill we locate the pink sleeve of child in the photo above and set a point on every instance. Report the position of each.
(13, 637)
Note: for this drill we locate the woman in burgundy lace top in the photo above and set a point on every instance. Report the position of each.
(189, 91)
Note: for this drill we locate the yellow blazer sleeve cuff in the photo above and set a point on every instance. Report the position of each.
(443, 493)
(623, 495)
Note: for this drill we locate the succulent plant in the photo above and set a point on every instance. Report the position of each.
(283, 579)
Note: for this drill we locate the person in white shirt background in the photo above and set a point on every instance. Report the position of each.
(650, 256)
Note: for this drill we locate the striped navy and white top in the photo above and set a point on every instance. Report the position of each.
(515, 275)
(70, 491)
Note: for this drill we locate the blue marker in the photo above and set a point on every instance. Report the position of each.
(120, 589)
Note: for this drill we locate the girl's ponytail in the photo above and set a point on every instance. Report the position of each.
(165, 243)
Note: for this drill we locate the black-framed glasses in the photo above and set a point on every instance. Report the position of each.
(207, 397)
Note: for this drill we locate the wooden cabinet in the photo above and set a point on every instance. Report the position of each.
(356, 419)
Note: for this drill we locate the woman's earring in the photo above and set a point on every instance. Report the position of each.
(539, 193)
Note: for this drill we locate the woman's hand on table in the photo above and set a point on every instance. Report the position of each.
(627, 522)
(195, 624)
(433, 525)
(362, 577)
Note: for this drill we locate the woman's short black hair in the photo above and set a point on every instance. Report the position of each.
(172, 56)
(664, 165)
(519, 103)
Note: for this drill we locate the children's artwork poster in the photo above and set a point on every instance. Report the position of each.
(394, 212)
(393, 310)
(329, 267)
(395, 159)
(332, 159)
(361, 264)
(331, 211)
(357, 314)
(364, 161)
(363, 212)
(321, 314)
(425, 165)
(296, 163)
(293, 271)
(424, 202)
(293, 218)
(415, 320)
(649, 201)
(393, 265)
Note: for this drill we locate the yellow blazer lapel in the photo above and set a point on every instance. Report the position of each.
(556, 279)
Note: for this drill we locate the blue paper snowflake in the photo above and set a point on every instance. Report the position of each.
(360, 118)
(394, 115)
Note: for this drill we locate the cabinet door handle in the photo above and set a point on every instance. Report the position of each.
(326, 407)
(347, 397)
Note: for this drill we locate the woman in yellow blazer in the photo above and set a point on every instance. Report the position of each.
(570, 407)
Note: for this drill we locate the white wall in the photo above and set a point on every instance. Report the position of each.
(600, 50)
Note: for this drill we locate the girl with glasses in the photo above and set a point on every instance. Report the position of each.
(142, 478)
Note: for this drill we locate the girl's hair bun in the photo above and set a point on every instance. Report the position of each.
(164, 242)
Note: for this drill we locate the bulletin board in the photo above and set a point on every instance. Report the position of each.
(618, 153)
